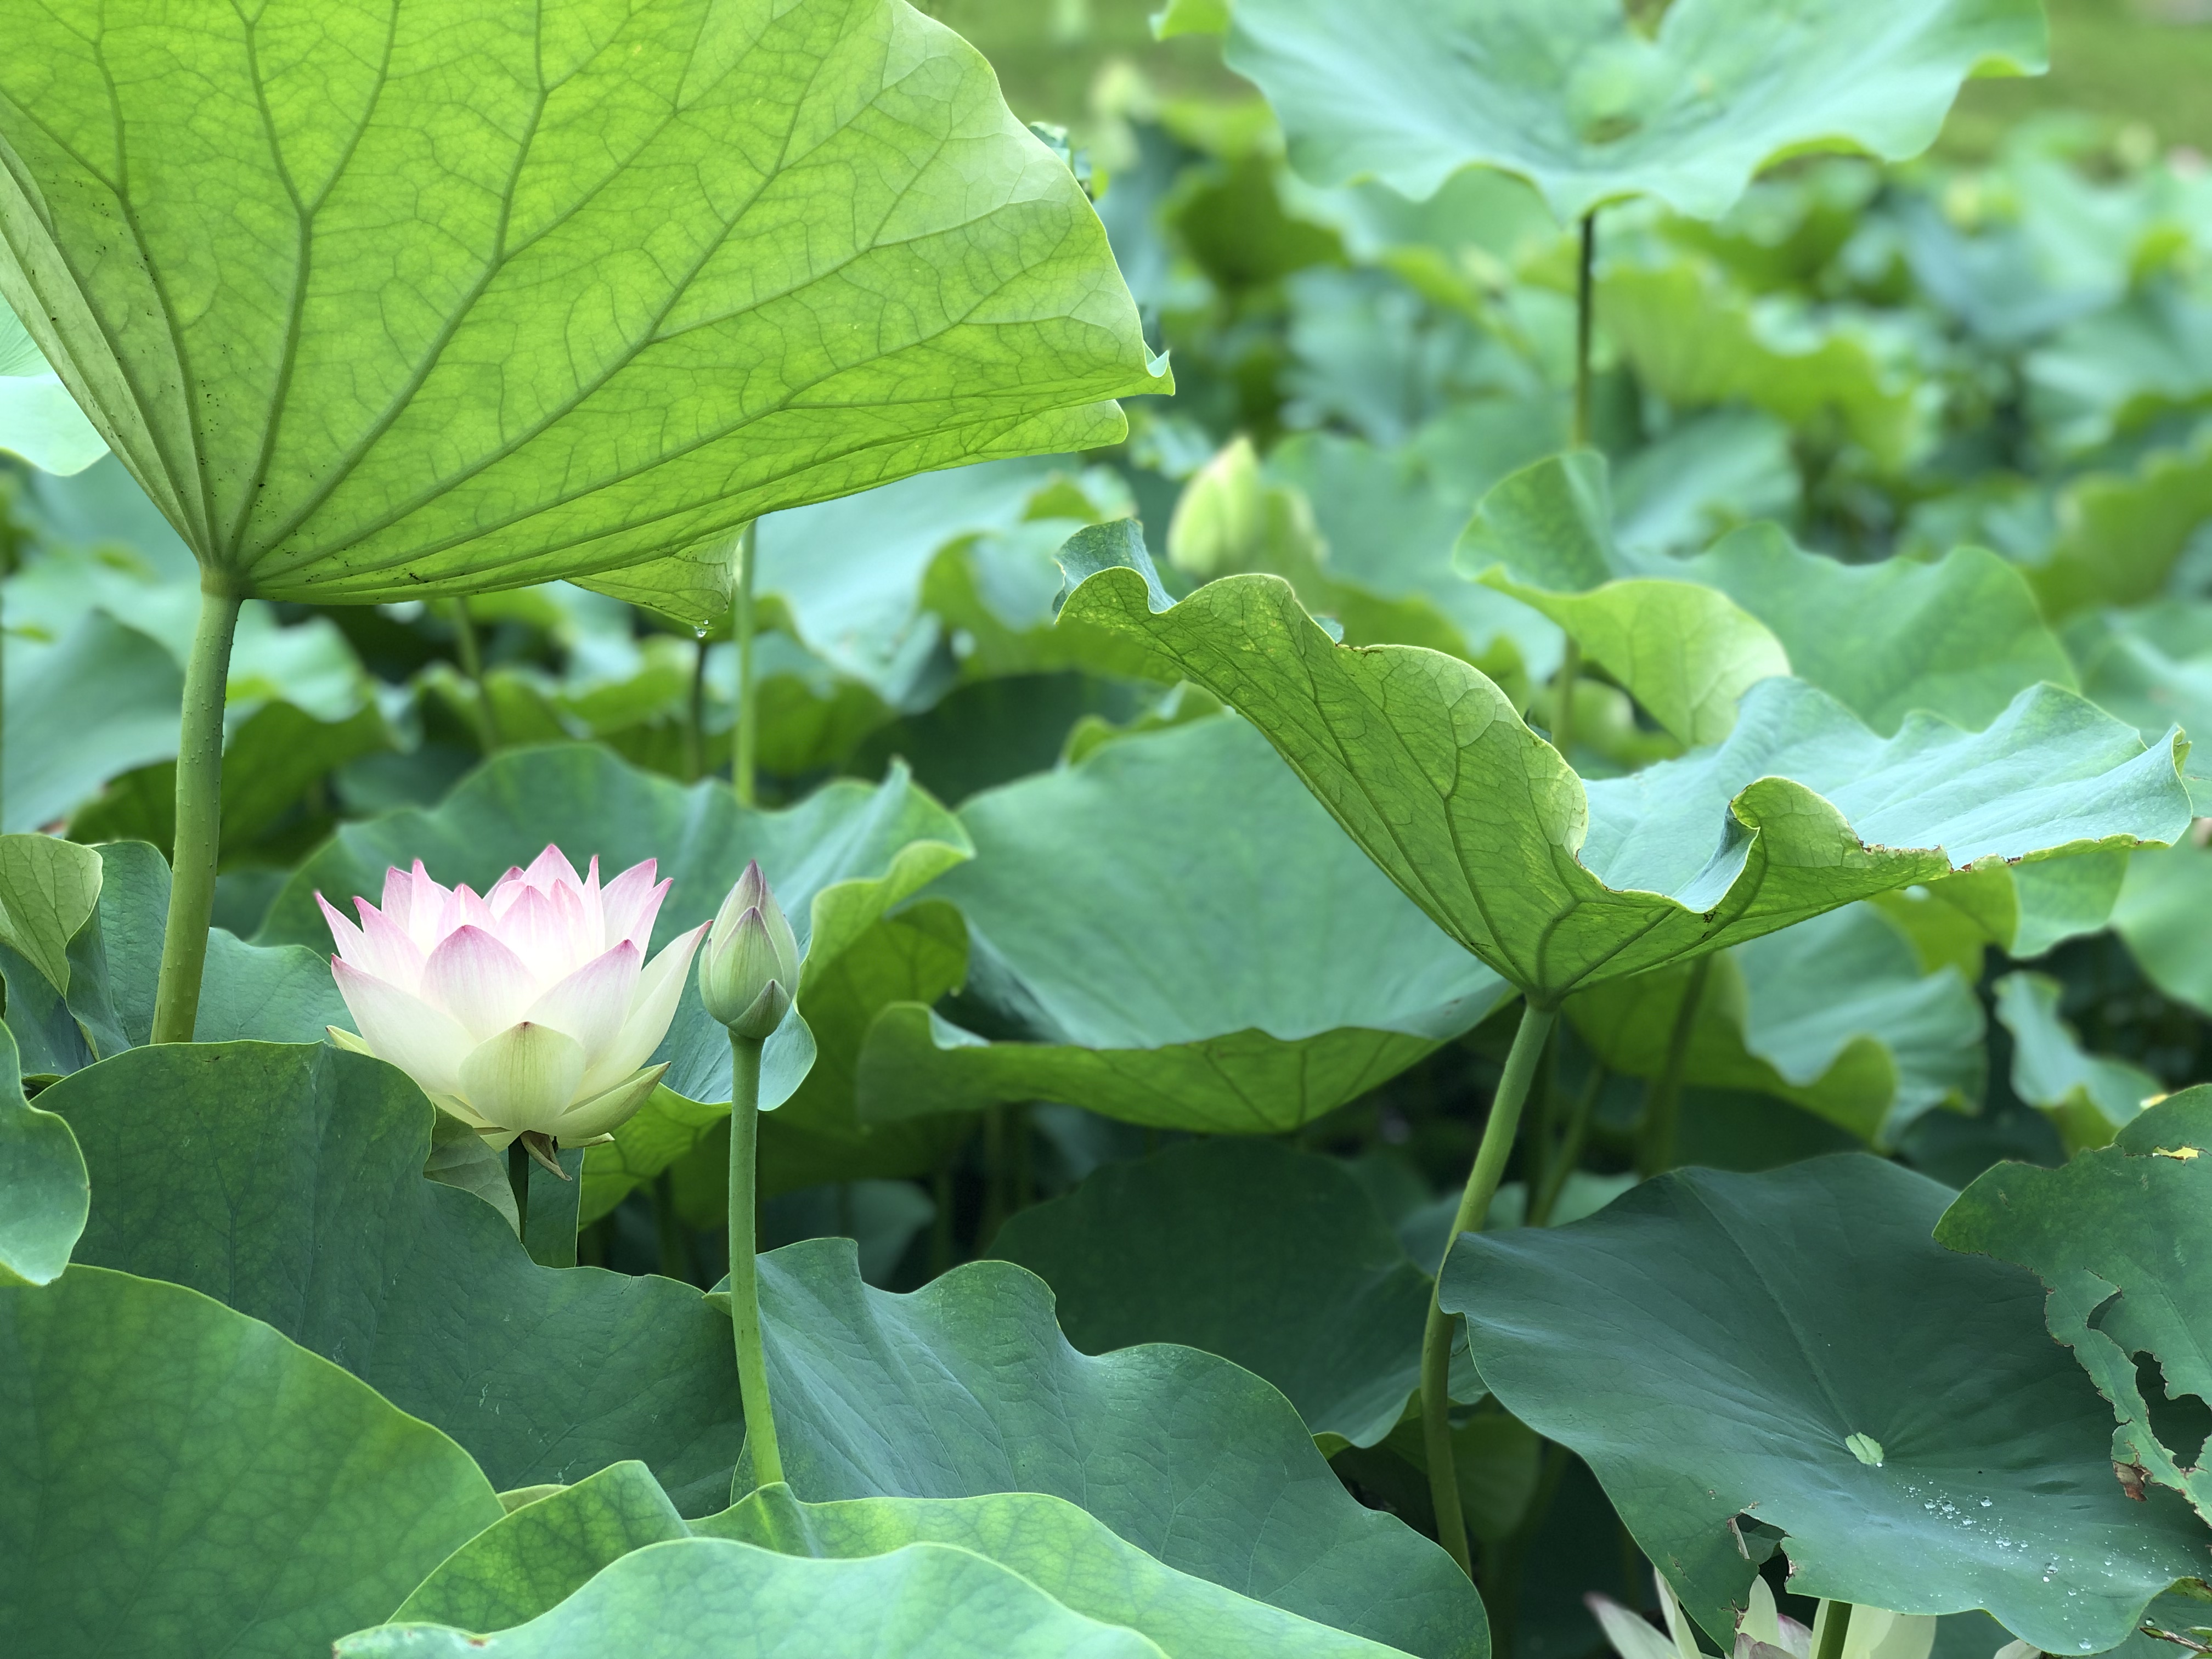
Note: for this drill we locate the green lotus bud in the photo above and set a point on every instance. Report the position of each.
(1230, 520)
(749, 966)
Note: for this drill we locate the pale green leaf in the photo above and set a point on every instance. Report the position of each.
(47, 890)
(418, 303)
(44, 1191)
(1572, 96)
(2088, 1095)
(39, 419)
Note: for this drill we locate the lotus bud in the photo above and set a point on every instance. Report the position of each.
(1230, 520)
(529, 1011)
(749, 970)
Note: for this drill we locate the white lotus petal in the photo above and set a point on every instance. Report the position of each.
(352, 947)
(414, 902)
(600, 1114)
(591, 1004)
(533, 929)
(551, 868)
(523, 1078)
(387, 951)
(478, 981)
(652, 1006)
(426, 1042)
(630, 902)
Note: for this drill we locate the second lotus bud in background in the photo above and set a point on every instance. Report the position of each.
(749, 965)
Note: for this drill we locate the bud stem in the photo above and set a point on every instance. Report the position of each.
(1436, 1337)
(744, 1285)
(747, 739)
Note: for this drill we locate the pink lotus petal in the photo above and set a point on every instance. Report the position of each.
(630, 903)
(552, 868)
(591, 1004)
(352, 947)
(478, 981)
(652, 1006)
(507, 888)
(580, 931)
(462, 909)
(533, 930)
(426, 1042)
(387, 950)
(523, 1076)
(414, 901)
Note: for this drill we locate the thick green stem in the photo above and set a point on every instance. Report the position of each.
(551, 1207)
(1662, 1105)
(464, 634)
(1497, 1135)
(199, 821)
(744, 1285)
(1835, 1630)
(1584, 307)
(748, 736)
(517, 1182)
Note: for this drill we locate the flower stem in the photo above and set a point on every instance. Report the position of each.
(1585, 307)
(1662, 1109)
(464, 635)
(744, 1284)
(199, 821)
(748, 736)
(694, 725)
(1473, 1205)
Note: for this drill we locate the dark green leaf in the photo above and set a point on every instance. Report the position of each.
(181, 1480)
(1710, 1344)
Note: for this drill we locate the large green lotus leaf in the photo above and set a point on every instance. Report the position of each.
(1837, 1015)
(2163, 901)
(1794, 1344)
(182, 1480)
(1214, 955)
(1304, 1283)
(1560, 887)
(714, 1598)
(92, 705)
(43, 1190)
(2120, 366)
(967, 1387)
(697, 586)
(288, 1181)
(1695, 340)
(279, 994)
(690, 266)
(1575, 97)
(838, 861)
(2088, 1097)
(534, 1558)
(2119, 1235)
(39, 419)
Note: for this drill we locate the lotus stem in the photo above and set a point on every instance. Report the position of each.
(1835, 1630)
(744, 1282)
(694, 725)
(742, 762)
(668, 1230)
(1585, 306)
(199, 820)
(464, 635)
(1663, 1106)
(1497, 1136)
(10, 538)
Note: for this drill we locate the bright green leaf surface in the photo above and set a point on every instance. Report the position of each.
(412, 305)
(1188, 941)
(44, 1192)
(1836, 1014)
(714, 1598)
(542, 1554)
(1711, 1342)
(181, 1480)
(537, 1556)
(837, 860)
(966, 1388)
(288, 1182)
(1572, 96)
(2119, 533)
(1304, 1284)
(47, 890)
(1557, 887)
(2151, 664)
(2119, 1236)
(2088, 1095)
(695, 586)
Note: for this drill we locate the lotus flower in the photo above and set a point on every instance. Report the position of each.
(530, 1011)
